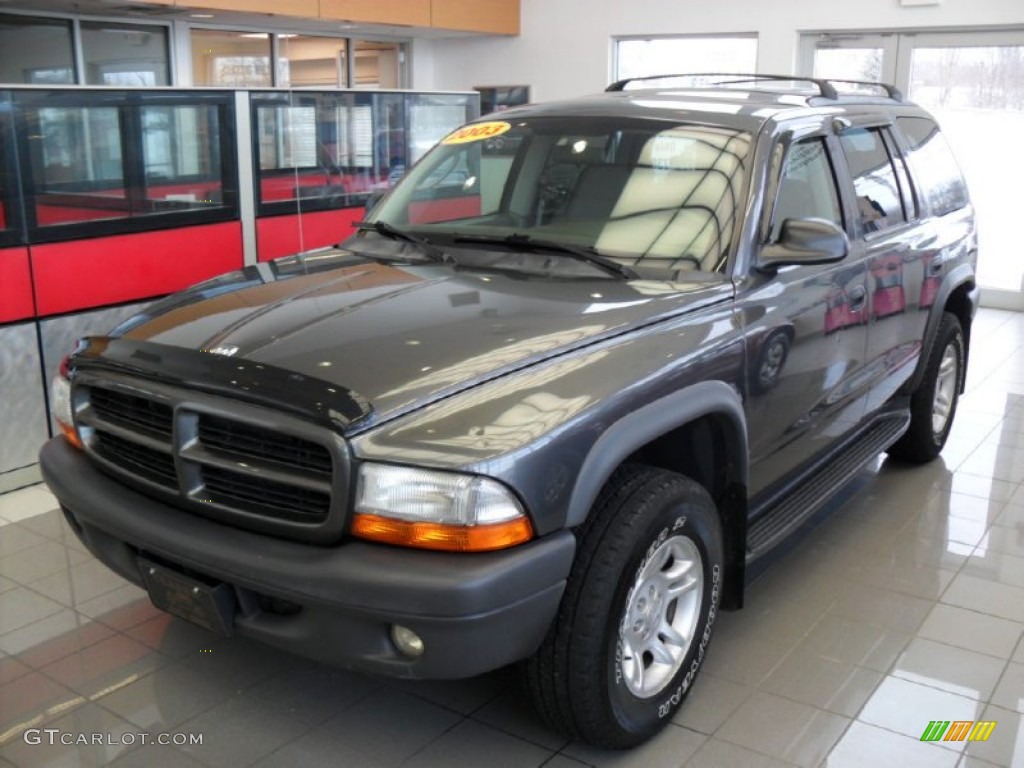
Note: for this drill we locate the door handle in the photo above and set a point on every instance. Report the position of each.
(857, 295)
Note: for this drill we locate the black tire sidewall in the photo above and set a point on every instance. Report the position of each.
(949, 332)
(921, 443)
(684, 515)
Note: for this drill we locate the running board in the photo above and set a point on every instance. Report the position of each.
(789, 512)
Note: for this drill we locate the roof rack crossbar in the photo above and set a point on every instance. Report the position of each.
(891, 91)
(825, 87)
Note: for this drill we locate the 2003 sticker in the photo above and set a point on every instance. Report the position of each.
(477, 132)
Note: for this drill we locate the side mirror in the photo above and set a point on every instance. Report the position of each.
(805, 241)
(373, 199)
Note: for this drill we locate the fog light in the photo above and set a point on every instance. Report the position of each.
(406, 641)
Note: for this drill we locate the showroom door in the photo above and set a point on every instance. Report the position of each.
(973, 82)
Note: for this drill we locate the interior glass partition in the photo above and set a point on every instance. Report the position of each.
(321, 150)
(319, 155)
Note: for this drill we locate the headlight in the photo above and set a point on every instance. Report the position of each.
(60, 405)
(437, 510)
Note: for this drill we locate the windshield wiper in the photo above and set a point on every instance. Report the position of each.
(384, 229)
(521, 242)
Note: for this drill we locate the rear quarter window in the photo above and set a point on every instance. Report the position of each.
(935, 169)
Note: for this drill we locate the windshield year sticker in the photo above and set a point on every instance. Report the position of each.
(477, 132)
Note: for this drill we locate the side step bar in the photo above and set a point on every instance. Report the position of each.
(812, 492)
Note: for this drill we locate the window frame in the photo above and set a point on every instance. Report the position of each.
(276, 58)
(617, 40)
(129, 104)
(377, 100)
(13, 231)
(903, 140)
(72, 28)
(879, 127)
(77, 49)
(82, 63)
(912, 206)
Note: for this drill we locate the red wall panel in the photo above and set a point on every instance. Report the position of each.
(48, 215)
(15, 285)
(275, 188)
(445, 209)
(284, 235)
(80, 274)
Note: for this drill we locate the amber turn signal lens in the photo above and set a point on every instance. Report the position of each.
(70, 434)
(450, 538)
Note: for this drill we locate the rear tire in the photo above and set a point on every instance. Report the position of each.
(637, 614)
(933, 404)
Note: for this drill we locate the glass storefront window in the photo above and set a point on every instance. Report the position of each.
(305, 61)
(849, 64)
(685, 53)
(124, 55)
(976, 93)
(36, 50)
(230, 59)
(378, 65)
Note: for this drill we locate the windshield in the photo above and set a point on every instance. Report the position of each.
(647, 193)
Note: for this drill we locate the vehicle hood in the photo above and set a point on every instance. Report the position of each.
(400, 335)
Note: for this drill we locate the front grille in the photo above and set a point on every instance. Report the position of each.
(217, 457)
(226, 436)
(149, 464)
(132, 412)
(259, 495)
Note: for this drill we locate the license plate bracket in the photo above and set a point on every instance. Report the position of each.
(211, 606)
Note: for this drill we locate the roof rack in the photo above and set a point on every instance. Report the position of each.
(825, 87)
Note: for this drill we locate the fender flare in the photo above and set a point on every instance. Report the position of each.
(636, 429)
(958, 277)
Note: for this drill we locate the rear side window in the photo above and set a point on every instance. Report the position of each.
(933, 165)
(879, 203)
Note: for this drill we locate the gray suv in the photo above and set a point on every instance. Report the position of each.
(579, 371)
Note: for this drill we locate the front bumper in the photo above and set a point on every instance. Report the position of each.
(475, 612)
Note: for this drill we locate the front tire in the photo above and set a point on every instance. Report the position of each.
(637, 613)
(933, 404)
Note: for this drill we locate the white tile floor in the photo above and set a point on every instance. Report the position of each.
(905, 606)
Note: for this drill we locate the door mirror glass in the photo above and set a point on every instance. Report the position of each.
(805, 241)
